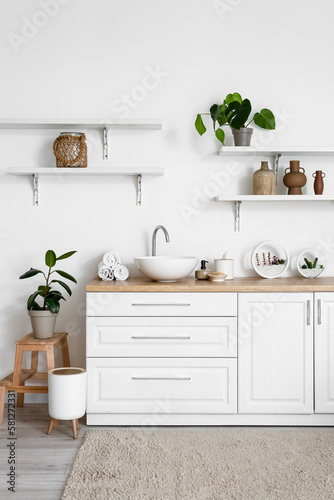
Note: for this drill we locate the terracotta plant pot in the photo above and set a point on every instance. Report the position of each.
(43, 323)
(264, 180)
(295, 179)
(243, 136)
(318, 176)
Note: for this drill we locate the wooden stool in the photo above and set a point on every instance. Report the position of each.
(16, 380)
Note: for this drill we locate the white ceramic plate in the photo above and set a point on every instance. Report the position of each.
(311, 254)
(264, 258)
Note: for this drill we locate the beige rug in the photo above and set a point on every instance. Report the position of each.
(204, 464)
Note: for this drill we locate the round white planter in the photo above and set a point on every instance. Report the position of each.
(43, 323)
(67, 393)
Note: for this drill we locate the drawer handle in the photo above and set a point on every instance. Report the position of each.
(319, 311)
(160, 304)
(308, 318)
(160, 338)
(161, 378)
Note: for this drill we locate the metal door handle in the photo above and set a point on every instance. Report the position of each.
(161, 378)
(160, 304)
(308, 319)
(319, 311)
(159, 338)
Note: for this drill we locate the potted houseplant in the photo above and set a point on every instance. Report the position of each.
(43, 315)
(235, 112)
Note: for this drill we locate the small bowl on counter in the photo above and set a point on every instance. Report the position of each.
(217, 277)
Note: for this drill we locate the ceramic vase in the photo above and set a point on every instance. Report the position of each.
(264, 180)
(295, 179)
(43, 323)
(318, 176)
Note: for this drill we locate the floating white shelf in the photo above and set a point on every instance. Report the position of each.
(239, 198)
(88, 124)
(85, 124)
(275, 150)
(139, 172)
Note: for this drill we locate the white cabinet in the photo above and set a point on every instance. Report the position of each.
(324, 352)
(147, 350)
(275, 353)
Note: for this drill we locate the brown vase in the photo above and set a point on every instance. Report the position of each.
(318, 181)
(295, 179)
(264, 180)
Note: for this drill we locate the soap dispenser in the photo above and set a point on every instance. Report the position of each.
(203, 273)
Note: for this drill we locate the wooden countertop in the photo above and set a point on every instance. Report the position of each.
(139, 284)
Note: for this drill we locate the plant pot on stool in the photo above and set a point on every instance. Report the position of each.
(67, 396)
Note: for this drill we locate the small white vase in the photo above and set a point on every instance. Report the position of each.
(67, 393)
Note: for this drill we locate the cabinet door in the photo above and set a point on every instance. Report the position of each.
(324, 352)
(275, 353)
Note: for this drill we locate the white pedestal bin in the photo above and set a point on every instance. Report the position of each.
(67, 396)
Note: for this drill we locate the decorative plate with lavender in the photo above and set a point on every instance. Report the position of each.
(311, 263)
(269, 259)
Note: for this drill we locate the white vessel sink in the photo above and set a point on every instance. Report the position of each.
(162, 268)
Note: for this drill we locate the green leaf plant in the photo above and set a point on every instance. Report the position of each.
(234, 112)
(51, 298)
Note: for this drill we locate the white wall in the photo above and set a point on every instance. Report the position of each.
(89, 53)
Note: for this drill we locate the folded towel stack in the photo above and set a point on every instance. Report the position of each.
(110, 268)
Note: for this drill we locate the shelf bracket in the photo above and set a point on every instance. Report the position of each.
(237, 216)
(276, 163)
(35, 178)
(105, 143)
(139, 177)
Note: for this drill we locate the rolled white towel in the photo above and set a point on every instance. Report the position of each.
(121, 273)
(104, 272)
(111, 259)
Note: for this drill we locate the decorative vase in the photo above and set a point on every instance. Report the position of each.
(264, 180)
(70, 150)
(43, 323)
(243, 136)
(295, 179)
(318, 176)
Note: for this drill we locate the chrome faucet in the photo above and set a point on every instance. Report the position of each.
(154, 238)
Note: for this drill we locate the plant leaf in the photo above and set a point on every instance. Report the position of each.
(66, 255)
(65, 275)
(237, 97)
(220, 134)
(50, 258)
(265, 119)
(214, 112)
(44, 290)
(32, 299)
(52, 305)
(30, 273)
(64, 285)
(237, 113)
(199, 125)
(222, 116)
(55, 295)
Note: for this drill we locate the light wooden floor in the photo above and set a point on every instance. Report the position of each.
(43, 462)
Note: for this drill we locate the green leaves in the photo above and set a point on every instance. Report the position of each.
(65, 275)
(66, 255)
(30, 273)
(199, 125)
(265, 119)
(51, 298)
(232, 98)
(237, 114)
(50, 258)
(220, 134)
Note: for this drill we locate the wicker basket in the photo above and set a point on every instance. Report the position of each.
(70, 150)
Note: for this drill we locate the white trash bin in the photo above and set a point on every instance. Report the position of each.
(67, 395)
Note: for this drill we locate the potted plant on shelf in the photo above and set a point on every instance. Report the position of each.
(235, 112)
(43, 317)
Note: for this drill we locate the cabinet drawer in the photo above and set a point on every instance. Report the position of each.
(161, 385)
(161, 304)
(197, 337)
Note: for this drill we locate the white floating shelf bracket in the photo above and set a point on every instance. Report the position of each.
(237, 216)
(105, 143)
(276, 163)
(139, 177)
(35, 179)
